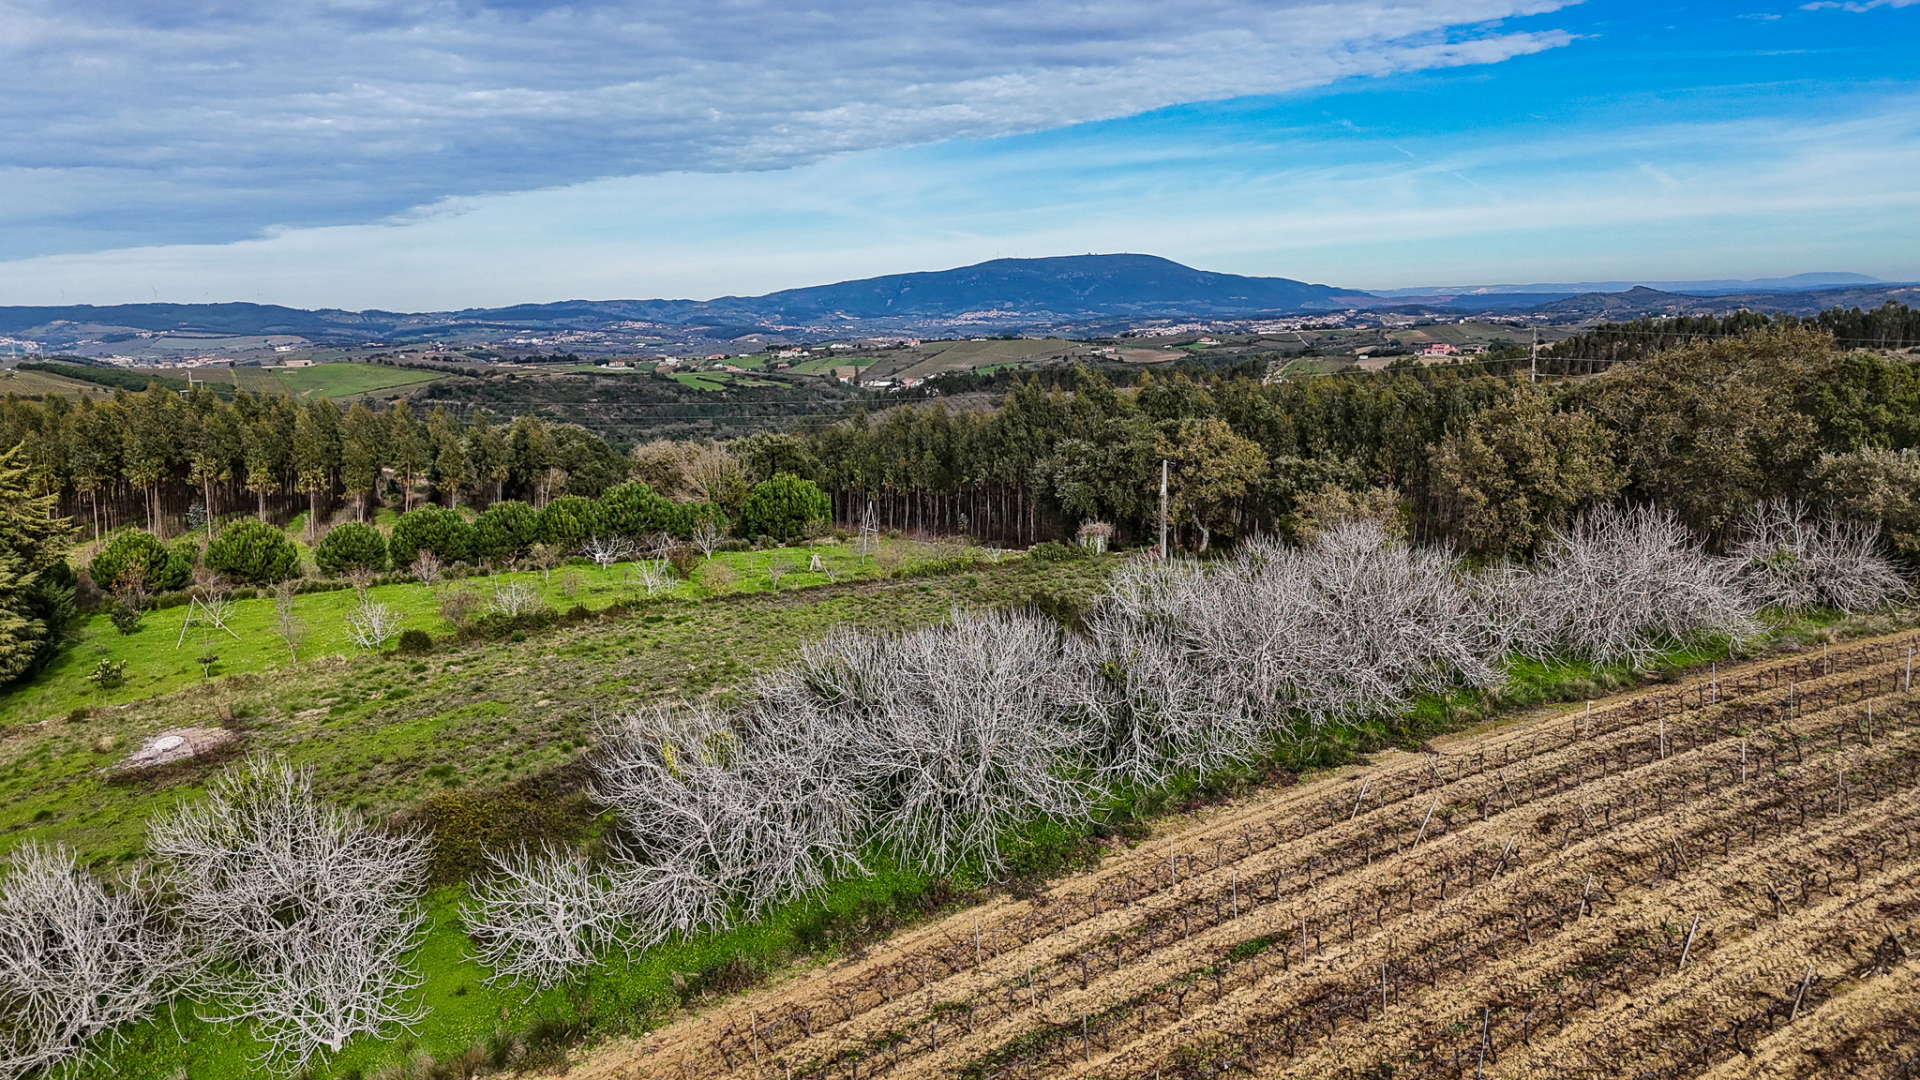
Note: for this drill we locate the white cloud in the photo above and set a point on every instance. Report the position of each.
(176, 120)
(1745, 198)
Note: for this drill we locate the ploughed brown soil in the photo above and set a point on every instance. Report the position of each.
(1713, 878)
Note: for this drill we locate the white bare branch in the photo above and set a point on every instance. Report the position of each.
(656, 574)
(707, 537)
(607, 551)
(512, 599)
(76, 960)
(1795, 562)
(426, 568)
(370, 624)
(1620, 585)
(542, 916)
(722, 821)
(310, 914)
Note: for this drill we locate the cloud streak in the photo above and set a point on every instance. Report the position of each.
(1656, 201)
(163, 121)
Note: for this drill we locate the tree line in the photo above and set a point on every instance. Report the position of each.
(1487, 461)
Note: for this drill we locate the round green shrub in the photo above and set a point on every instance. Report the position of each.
(567, 521)
(782, 507)
(163, 569)
(635, 510)
(506, 531)
(253, 551)
(430, 528)
(352, 546)
(415, 642)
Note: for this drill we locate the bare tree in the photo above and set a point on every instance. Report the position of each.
(1794, 561)
(719, 820)
(458, 604)
(541, 916)
(76, 960)
(777, 568)
(371, 623)
(361, 579)
(605, 551)
(544, 558)
(956, 733)
(656, 574)
(1621, 584)
(425, 568)
(512, 599)
(286, 621)
(707, 537)
(310, 914)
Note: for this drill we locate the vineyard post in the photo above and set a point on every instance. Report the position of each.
(1588, 733)
(1584, 891)
(1423, 821)
(1357, 798)
(1799, 997)
(1743, 759)
(1869, 721)
(1714, 675)
(1383, 989)
(1486, 1021)
(1909, 685)
(1686, 949)
(1663, 737)
(976, 941)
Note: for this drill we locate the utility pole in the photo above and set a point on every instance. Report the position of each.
(1163, 508)
(1533, 361)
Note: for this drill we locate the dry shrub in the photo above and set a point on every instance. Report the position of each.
(719, 577)
(310, 914)
(1795, 562)
(1619, 586)
(77, 959)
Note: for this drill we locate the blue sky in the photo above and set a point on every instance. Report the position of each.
(416, 154)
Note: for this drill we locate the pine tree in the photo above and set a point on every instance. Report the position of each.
(32, 543)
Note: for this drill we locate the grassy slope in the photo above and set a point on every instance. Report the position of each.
(385, 732)
(343, 380)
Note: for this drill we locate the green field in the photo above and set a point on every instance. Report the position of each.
(340, 381)
(39, 383)
(387, 733)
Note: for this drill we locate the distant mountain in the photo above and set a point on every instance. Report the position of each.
(1069, 285)
(1034, 291)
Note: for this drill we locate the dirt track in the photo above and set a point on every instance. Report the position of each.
(1714, 878)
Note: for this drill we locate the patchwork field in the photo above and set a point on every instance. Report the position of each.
(1713, 878)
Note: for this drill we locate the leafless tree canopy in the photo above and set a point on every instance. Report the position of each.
(723, 816)
(1619, 585)
(76, 960)
(605, 551)
(370, 624)
(959, 732)
(309, 914)
(542, 915)
(512, 599)
(1194, 669)
(1794, 561)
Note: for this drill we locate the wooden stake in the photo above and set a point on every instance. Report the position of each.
(1801, 996)
(1688, 947)
(1584, 890)
(1423, 822)
(1357, 798)
(1486, 1021)
(1588, 733)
